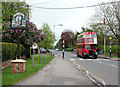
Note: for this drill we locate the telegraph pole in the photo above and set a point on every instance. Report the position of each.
(104, 37)
(54, 38)
(119, 30)
(28, 12)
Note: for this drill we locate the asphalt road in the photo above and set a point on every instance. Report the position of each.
(104, 70)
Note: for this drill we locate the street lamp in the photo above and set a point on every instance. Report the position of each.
(54, 34)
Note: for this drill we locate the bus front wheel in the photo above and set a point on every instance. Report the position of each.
(83, 56)
(95, 56)
(78, 54)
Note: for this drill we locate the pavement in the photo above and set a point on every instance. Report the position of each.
(57, 72)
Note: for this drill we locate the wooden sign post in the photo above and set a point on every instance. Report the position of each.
(18, 25)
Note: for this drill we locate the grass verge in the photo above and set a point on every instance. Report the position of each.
(8, 78)
(108, 55)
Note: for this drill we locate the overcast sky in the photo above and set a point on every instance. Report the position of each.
(72, 19)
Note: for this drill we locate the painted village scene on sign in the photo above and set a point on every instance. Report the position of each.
(19, 20)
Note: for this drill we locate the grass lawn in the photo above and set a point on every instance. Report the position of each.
(8, 78)
(107, 54)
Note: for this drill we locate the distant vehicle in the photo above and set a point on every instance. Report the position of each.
(86, 45)
(42, 50)
(47, 50)
(57, 49)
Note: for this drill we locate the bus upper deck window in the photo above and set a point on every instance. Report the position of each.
(87, 35)
(93, 35)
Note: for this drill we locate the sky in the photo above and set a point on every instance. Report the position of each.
(72, 19)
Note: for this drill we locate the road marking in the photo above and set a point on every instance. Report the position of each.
(107, 64)
(89, 59)
(100, 61)
(111, 65)
(72, 59)
(81, 59)
(91, 77)
(104, 59)
(107, 59)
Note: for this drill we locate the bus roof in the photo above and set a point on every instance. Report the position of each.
(86, 33)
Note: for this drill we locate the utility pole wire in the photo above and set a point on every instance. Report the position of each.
(44, 2)
(75, 7)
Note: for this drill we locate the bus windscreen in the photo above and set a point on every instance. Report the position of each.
(87, 46)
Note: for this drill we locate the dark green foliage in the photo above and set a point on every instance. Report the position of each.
(114, 48)
(69, 49)
(9, 51)
(11, 8)
(49, 36)
(27, 51)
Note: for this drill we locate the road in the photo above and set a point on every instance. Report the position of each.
(104, 70)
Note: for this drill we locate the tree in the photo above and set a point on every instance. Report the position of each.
(27, 38)
(11, 8)
(107, 16)
(68, 38)
(49, 39)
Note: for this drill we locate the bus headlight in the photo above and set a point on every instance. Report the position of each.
(96, 53)
(84, 53)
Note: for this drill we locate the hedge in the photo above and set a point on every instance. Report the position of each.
(114, 48)
(9, 50)
(69, 49)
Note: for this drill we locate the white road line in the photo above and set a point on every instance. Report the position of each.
(111, 65)
(72, 59)
(81, 59)
(100, 61)
(89, 75)
(107, 60)
(106, 64)
(89, 59)
(104, 59)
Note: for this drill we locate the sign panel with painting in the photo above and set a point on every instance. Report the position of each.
(19, 20)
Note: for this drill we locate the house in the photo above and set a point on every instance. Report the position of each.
(35, 48)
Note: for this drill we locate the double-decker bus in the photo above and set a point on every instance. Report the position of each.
(86, 45)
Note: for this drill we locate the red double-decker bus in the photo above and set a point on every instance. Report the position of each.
(86, 45)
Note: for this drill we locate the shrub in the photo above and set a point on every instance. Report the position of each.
(69, 49)
(114, 48)
(9, 51)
